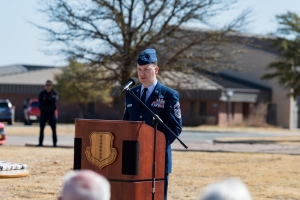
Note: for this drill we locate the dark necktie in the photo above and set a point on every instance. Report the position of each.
(143, 98)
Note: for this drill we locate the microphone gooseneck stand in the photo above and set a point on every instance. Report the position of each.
(156, 121)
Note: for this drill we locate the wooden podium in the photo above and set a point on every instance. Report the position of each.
(122, 151)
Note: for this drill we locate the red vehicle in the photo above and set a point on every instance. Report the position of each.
(2, 134)
(32, 112)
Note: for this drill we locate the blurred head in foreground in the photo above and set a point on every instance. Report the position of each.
(85, 185)
(229, 189)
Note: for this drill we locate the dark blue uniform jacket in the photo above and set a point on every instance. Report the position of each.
(47, 101)
(164, 102)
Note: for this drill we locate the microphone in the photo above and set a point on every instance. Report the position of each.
(132, 81)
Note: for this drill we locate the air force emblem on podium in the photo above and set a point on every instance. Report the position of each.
(101, 152)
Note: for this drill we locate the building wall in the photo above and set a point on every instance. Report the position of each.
(185, 109)
(222, 115)
(194, 113)
(67, 112)
(215, 111)
(236, 115)
(253, 65)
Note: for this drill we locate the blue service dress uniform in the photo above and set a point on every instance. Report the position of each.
(164, 102)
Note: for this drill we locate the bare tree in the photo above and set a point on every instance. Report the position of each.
(111, 33)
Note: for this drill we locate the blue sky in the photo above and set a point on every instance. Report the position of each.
(21, 42)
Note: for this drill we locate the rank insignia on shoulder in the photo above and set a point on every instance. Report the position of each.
(177, 111)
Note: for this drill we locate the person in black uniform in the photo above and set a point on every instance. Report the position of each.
(47, 101)
(162, 100)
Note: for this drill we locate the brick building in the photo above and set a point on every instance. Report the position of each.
(204, 99)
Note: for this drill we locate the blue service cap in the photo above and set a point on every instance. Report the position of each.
(147, 56)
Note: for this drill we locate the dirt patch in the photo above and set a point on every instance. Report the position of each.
(268, 176)
(46, 168)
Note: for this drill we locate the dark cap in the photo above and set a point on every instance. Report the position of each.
(147, 56)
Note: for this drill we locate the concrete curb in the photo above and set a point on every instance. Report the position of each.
(294, 141)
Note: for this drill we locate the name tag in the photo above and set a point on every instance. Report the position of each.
(129, 105)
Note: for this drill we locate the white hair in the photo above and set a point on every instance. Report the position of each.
(229, 189)
(85, 185)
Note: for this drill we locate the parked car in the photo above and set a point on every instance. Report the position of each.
(2, 134)
(32, 112)
(6, 111)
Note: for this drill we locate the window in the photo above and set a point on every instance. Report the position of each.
(193, 108)
(35, 104)
(202, 110)
(4, 105)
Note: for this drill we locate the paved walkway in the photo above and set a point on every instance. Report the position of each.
(239, 147)
(196, 141)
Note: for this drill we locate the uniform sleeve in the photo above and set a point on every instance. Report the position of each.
(173, 118)
(126, 113)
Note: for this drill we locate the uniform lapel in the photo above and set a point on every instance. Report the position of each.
(137, 91)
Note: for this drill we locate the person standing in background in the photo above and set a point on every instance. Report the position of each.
(47, 105)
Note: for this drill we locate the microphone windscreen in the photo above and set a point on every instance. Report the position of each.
(134, 80)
